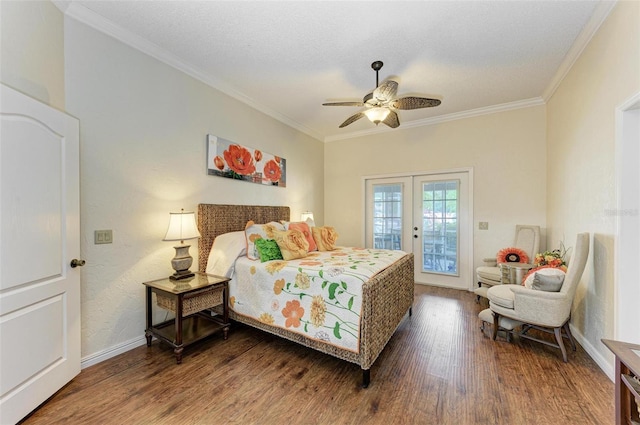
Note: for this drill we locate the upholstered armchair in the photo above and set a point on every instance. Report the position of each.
(527, 239)
(539, 309)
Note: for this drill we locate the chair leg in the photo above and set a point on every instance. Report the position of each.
(496, 318)
(558, 333)
(568, 332)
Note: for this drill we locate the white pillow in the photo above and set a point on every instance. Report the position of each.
(226, 248)
(547, 271)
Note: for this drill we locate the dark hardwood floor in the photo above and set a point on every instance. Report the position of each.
(439, 368)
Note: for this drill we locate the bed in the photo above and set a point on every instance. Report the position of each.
(386, 297)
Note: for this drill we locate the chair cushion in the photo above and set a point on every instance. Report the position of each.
(543, 270)
(551, 283)
(489, 273)
(501, 295)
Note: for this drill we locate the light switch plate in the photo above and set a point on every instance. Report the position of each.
(483, 225)
(102, 236)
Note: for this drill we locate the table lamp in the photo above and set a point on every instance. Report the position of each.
(182, 226)
(306, 215)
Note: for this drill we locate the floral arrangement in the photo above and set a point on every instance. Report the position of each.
(555, 258)
(548, 260)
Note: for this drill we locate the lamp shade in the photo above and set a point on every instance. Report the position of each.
(306, 215)
(377, 115)
(182, 226)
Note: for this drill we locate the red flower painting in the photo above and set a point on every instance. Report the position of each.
(238, 162)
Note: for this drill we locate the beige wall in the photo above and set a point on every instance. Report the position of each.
(143, 128)
(32, 50)
(506, 150)
(581, 162)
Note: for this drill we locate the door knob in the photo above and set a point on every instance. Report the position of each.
(77, 263)
(415, 236)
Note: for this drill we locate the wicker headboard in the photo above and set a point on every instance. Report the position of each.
(214, 220)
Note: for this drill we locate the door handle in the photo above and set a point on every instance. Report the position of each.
(415, 236)
(77, 263)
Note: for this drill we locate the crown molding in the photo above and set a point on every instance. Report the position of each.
(88, 17)
(600, 14)
(84, 15)
(526, 103)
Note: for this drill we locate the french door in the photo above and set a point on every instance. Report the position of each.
(429, 216)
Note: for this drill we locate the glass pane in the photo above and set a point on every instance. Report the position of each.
(387, 213)
(440, 226)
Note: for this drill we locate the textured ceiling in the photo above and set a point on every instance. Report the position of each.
(287, 58)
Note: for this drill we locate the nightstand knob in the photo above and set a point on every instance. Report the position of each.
(77, 263)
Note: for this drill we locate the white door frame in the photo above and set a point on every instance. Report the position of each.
(626, 289)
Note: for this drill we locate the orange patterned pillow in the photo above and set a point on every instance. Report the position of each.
(292, 244)
(325, 238)
(512, 255)
(306, 231)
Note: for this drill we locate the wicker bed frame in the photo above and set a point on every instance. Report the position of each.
(386, 297)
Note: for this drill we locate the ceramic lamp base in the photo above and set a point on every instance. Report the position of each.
(181, 263)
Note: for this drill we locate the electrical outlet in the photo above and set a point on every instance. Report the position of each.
(102, 236)
(483, 225)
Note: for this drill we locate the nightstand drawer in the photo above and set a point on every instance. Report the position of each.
(194, 302)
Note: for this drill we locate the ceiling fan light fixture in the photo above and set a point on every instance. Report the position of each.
(377, 115)
(381, 104)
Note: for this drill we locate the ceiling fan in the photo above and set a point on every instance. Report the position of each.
(382, 103)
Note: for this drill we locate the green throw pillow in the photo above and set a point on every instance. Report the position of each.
(268, 250)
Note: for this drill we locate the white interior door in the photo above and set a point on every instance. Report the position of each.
(39, 235)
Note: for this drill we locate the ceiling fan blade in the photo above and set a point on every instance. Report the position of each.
(351, 119)
(411, 102)
(392, 120)
(343, 104)
(386, 91)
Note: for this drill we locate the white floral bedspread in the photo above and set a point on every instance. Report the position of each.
(319, 296)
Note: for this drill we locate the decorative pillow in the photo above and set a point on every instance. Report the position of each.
(254, 232)
(310, 222)
(306, 231)
(224, 251)
(268, 250)
(325, 238)
(292, 244)
(512, 255)
(548, 283)
(527, 281)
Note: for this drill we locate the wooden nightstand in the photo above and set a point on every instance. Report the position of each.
(188, 299)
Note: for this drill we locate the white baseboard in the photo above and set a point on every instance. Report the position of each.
(106, 354)
(606, 367)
